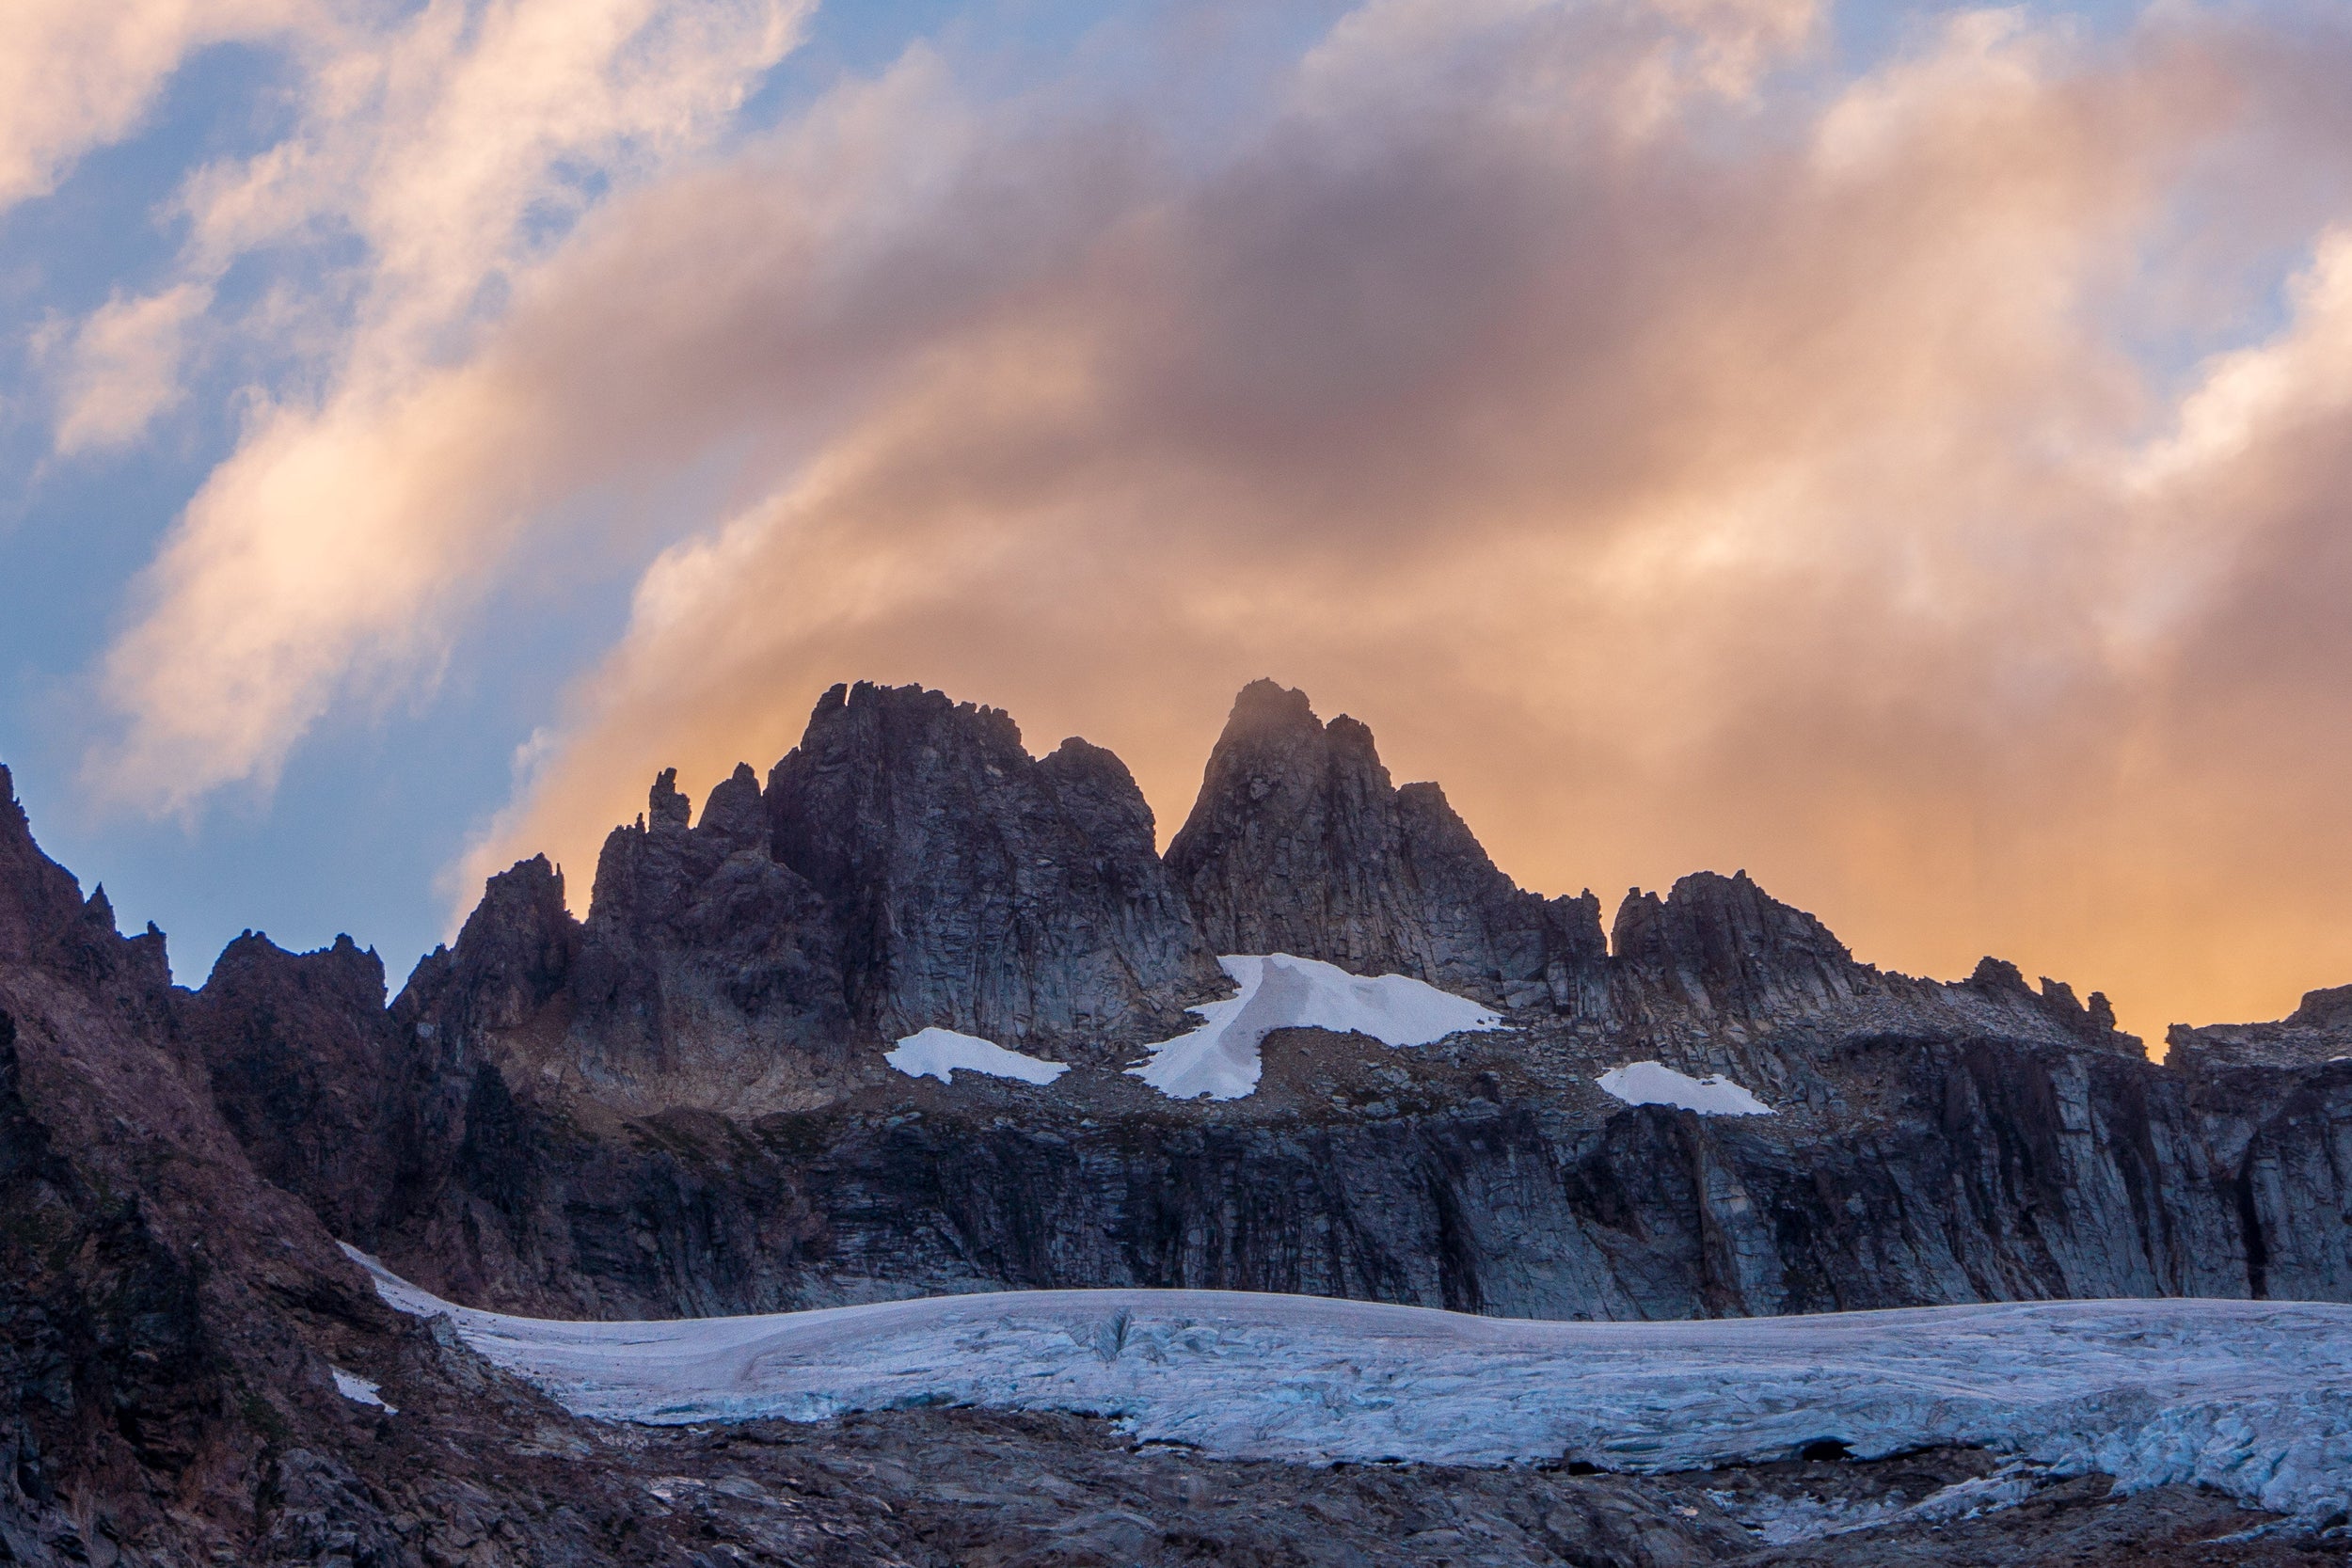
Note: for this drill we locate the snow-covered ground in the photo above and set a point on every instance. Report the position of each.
(360, 1391)
(2252, 1397)
(942, 1053)
(1656, 1083)
(1220, 1058)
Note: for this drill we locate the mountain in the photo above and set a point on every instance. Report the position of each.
(683, 1103)
(977, 888)
(1299, 843)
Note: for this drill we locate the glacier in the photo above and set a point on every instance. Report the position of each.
(1220, 1059)
(2252, 1397)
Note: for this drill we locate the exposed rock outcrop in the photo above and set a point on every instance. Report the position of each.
(705, 967)
(2318, 1032)
(981, 889)
(1721, 948)
(1299, 843)
(309, 1072)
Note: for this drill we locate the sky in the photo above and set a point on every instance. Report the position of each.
(1901, 450)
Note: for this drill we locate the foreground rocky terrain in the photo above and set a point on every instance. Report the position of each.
(679, 1105)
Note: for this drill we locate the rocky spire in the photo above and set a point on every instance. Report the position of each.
(1723, 948)
(975, 887)
(1294, 844)
(1299, 842)
(703, 958)
(45, 918)
(513, 956)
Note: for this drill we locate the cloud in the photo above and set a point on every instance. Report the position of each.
(124, 367)
(77, 75)
(457, 148)
(1691, 454)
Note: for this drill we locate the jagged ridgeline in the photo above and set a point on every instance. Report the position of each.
(695, 1100)
(870, 1028)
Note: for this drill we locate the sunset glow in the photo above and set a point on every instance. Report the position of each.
(1903, 452)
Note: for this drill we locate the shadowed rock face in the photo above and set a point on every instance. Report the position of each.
(1721, 947)
(309, 1069)
(977, 888)
(703, 960)
(1299, 843)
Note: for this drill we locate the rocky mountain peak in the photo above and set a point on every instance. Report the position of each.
(45, 918)
(1729, 947)
(514, 952)
(1295, 846)
(40, 899)
(345, 972)
(1266, 706)
(1299, 842)
(734, 810)
(975, 887)
(306, 1067)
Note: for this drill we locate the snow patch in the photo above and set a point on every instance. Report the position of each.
(360, 1391)
(2252, 1397)
(1656, 1083)
(1220, 1059)
(937, 1052)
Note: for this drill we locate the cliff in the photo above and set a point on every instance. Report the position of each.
(1299, 843)
(681, 1104)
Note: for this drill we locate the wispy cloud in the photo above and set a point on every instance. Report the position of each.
(456, 147)
(122, 367)
(78, 74)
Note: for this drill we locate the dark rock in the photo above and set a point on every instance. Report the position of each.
(977, 888)
(1723, 949)
(308, 1069)
(2324, 1009)
(1299, 843)
(707, 974)
(2318, 1032)
(1293, 844)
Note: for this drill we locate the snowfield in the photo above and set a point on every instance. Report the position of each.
(942, 1053)
(1220, 1058)
(360, 1391)
(1656, 1083)
(2254, 1398)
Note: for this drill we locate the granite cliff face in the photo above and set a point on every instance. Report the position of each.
(977, 888)
(1299, 843)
